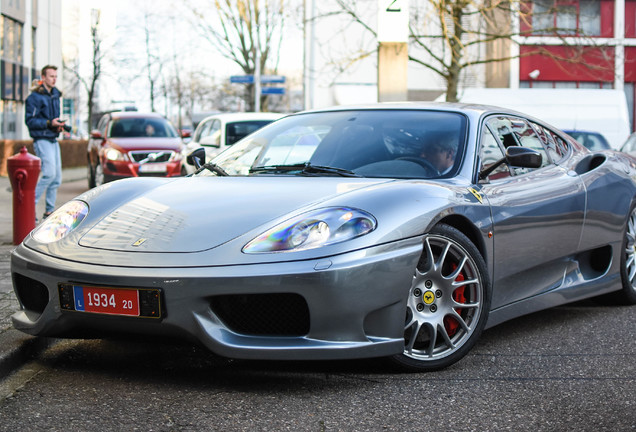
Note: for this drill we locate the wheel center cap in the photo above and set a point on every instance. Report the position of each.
(428, 297)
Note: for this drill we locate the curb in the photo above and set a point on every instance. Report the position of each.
(18, 348)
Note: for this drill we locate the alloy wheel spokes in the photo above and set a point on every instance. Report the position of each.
(439, 319)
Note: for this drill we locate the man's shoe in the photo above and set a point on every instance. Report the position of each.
(46, 214)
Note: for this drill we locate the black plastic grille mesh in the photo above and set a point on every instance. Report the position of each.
(281, 314)
(33, 295)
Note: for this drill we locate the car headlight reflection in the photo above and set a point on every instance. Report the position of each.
(312, 230)
(61, 222)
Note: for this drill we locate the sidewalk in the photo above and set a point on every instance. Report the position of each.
(17, 347)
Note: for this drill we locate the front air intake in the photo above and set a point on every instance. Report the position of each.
(282, 314)
(33, 295)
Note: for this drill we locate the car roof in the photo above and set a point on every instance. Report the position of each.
(244, 116)
(442, 106)
(471, 110)
(134, 114)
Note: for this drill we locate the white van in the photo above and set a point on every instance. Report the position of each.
(591, 110)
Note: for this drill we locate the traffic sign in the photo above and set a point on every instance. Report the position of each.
(273, 90)
(265, 79)
(242, 79)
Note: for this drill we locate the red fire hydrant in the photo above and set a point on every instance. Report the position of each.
(24, 170)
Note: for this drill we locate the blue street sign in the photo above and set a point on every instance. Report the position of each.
(273, 90)
(265, 79)
(279, 79)
(242, 79)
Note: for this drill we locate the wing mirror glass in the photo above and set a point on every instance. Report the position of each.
(197, 157)
(523, 157)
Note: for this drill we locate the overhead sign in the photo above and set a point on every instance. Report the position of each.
(266, 79)
(393, 20)
(273, 90)
(242, 79)
(249, 79)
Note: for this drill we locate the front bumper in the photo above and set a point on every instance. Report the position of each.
(355, 302)
(120, 169)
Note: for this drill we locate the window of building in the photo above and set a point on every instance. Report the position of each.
(33, 47)
(567, 17)
(566, 84)
(11, 40)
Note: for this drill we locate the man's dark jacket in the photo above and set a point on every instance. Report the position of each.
(40, 108)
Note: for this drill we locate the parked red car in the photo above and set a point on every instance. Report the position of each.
(133, 144)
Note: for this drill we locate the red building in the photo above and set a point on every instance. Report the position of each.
(594, 46)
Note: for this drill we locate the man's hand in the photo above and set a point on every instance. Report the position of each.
(57, 124)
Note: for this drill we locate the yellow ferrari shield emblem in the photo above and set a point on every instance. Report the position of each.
(428, 297)
(476, 194)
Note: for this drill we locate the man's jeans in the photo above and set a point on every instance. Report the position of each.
(51, 176)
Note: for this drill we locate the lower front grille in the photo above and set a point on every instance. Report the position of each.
(33, 295)
(282, 314)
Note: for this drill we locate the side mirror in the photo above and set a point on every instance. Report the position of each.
(96, 134)
(523, 157)
(196, 158)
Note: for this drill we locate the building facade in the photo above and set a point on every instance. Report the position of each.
(30, 38)
(595, 47)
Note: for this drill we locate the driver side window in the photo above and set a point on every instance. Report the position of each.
(490, 153)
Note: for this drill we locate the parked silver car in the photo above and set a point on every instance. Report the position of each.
(219, 131)
(398, 230)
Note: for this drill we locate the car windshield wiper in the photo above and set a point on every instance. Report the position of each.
(212, 167)
(304, 168)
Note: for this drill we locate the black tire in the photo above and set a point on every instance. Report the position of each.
(438, 331)
(90, 174)
(627, 295)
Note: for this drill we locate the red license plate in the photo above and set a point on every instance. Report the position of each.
(106, 300)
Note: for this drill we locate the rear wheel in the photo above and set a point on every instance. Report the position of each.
(628, 261)
(448, 302)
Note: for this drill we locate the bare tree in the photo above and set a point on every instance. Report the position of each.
(245, 31)
(452, 36)
(89, 82)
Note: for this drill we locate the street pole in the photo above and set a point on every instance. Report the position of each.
(393, 33)
(257, 70)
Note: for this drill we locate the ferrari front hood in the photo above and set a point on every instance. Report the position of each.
(196, 214)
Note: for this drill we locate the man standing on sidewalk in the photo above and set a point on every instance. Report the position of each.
(42, 112)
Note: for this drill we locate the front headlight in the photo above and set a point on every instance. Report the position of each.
(61, 222)
(114, 155)
(313, 229)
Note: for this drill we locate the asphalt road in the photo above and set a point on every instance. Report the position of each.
(571, 368)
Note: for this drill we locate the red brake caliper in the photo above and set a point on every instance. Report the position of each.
(459, 296)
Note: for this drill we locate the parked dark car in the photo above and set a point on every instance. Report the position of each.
(591, 140)
(132, 144)
(397, 230)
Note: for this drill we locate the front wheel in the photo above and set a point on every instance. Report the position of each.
(448, 303)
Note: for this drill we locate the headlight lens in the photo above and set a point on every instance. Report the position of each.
(312, 230)
(61, 222)
(114, 155)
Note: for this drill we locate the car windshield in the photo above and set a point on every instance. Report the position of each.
(365, 143)
(139, 127)
(235, 131)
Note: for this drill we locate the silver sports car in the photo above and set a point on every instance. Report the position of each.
(393, 230)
